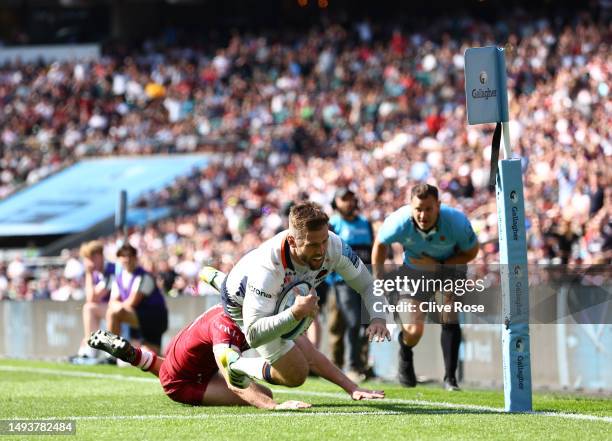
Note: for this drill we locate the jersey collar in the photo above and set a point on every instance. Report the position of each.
(286, 255)
(427, 235)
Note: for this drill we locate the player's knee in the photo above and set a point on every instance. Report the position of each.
(414, 330)
(296, 376)
(296, 379)
(412, 334)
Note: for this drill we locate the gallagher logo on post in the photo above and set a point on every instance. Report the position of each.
(484, 93)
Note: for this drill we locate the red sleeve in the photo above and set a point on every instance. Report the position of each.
(225, 331)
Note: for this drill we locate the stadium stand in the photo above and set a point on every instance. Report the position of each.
(375, 107)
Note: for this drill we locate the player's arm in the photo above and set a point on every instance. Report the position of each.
(255, 394)
(390, 232)
(467, 243)
(323, 367)
(261, 324)
(462, 257)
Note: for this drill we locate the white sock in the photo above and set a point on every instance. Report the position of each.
(253, 366)
(146, 359)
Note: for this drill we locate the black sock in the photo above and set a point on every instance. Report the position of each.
(405, 350)
(450, 340)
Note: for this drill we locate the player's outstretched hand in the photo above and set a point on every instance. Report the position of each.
(292, 405)
(366, 394)
(377, 331)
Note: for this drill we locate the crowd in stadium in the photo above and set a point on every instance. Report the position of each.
(294, 118)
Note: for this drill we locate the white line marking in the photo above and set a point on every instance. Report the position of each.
(448, 405)
(443, 404)
(262, 414)
(75, 373)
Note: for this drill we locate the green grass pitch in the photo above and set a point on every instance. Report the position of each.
(124, 403)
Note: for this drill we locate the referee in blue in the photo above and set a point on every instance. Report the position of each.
(431, 234)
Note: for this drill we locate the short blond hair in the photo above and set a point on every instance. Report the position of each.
(307, 216)
(90, 248)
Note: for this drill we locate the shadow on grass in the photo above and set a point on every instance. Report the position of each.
(406, 409)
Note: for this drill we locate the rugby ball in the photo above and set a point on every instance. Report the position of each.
(287, 299)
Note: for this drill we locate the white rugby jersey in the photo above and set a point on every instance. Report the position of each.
(252, 288)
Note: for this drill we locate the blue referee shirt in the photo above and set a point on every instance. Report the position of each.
(452, 232)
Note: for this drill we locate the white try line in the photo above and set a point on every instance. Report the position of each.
(300, 413)
(443, 404)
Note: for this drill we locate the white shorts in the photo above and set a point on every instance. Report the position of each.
(275, 349)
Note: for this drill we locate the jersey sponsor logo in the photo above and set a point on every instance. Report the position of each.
(347, 252)
(258, 291)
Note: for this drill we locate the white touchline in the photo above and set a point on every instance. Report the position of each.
(444, 404)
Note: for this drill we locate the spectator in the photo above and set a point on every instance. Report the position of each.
(136, 300)
(309, 112)
(99, 276)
